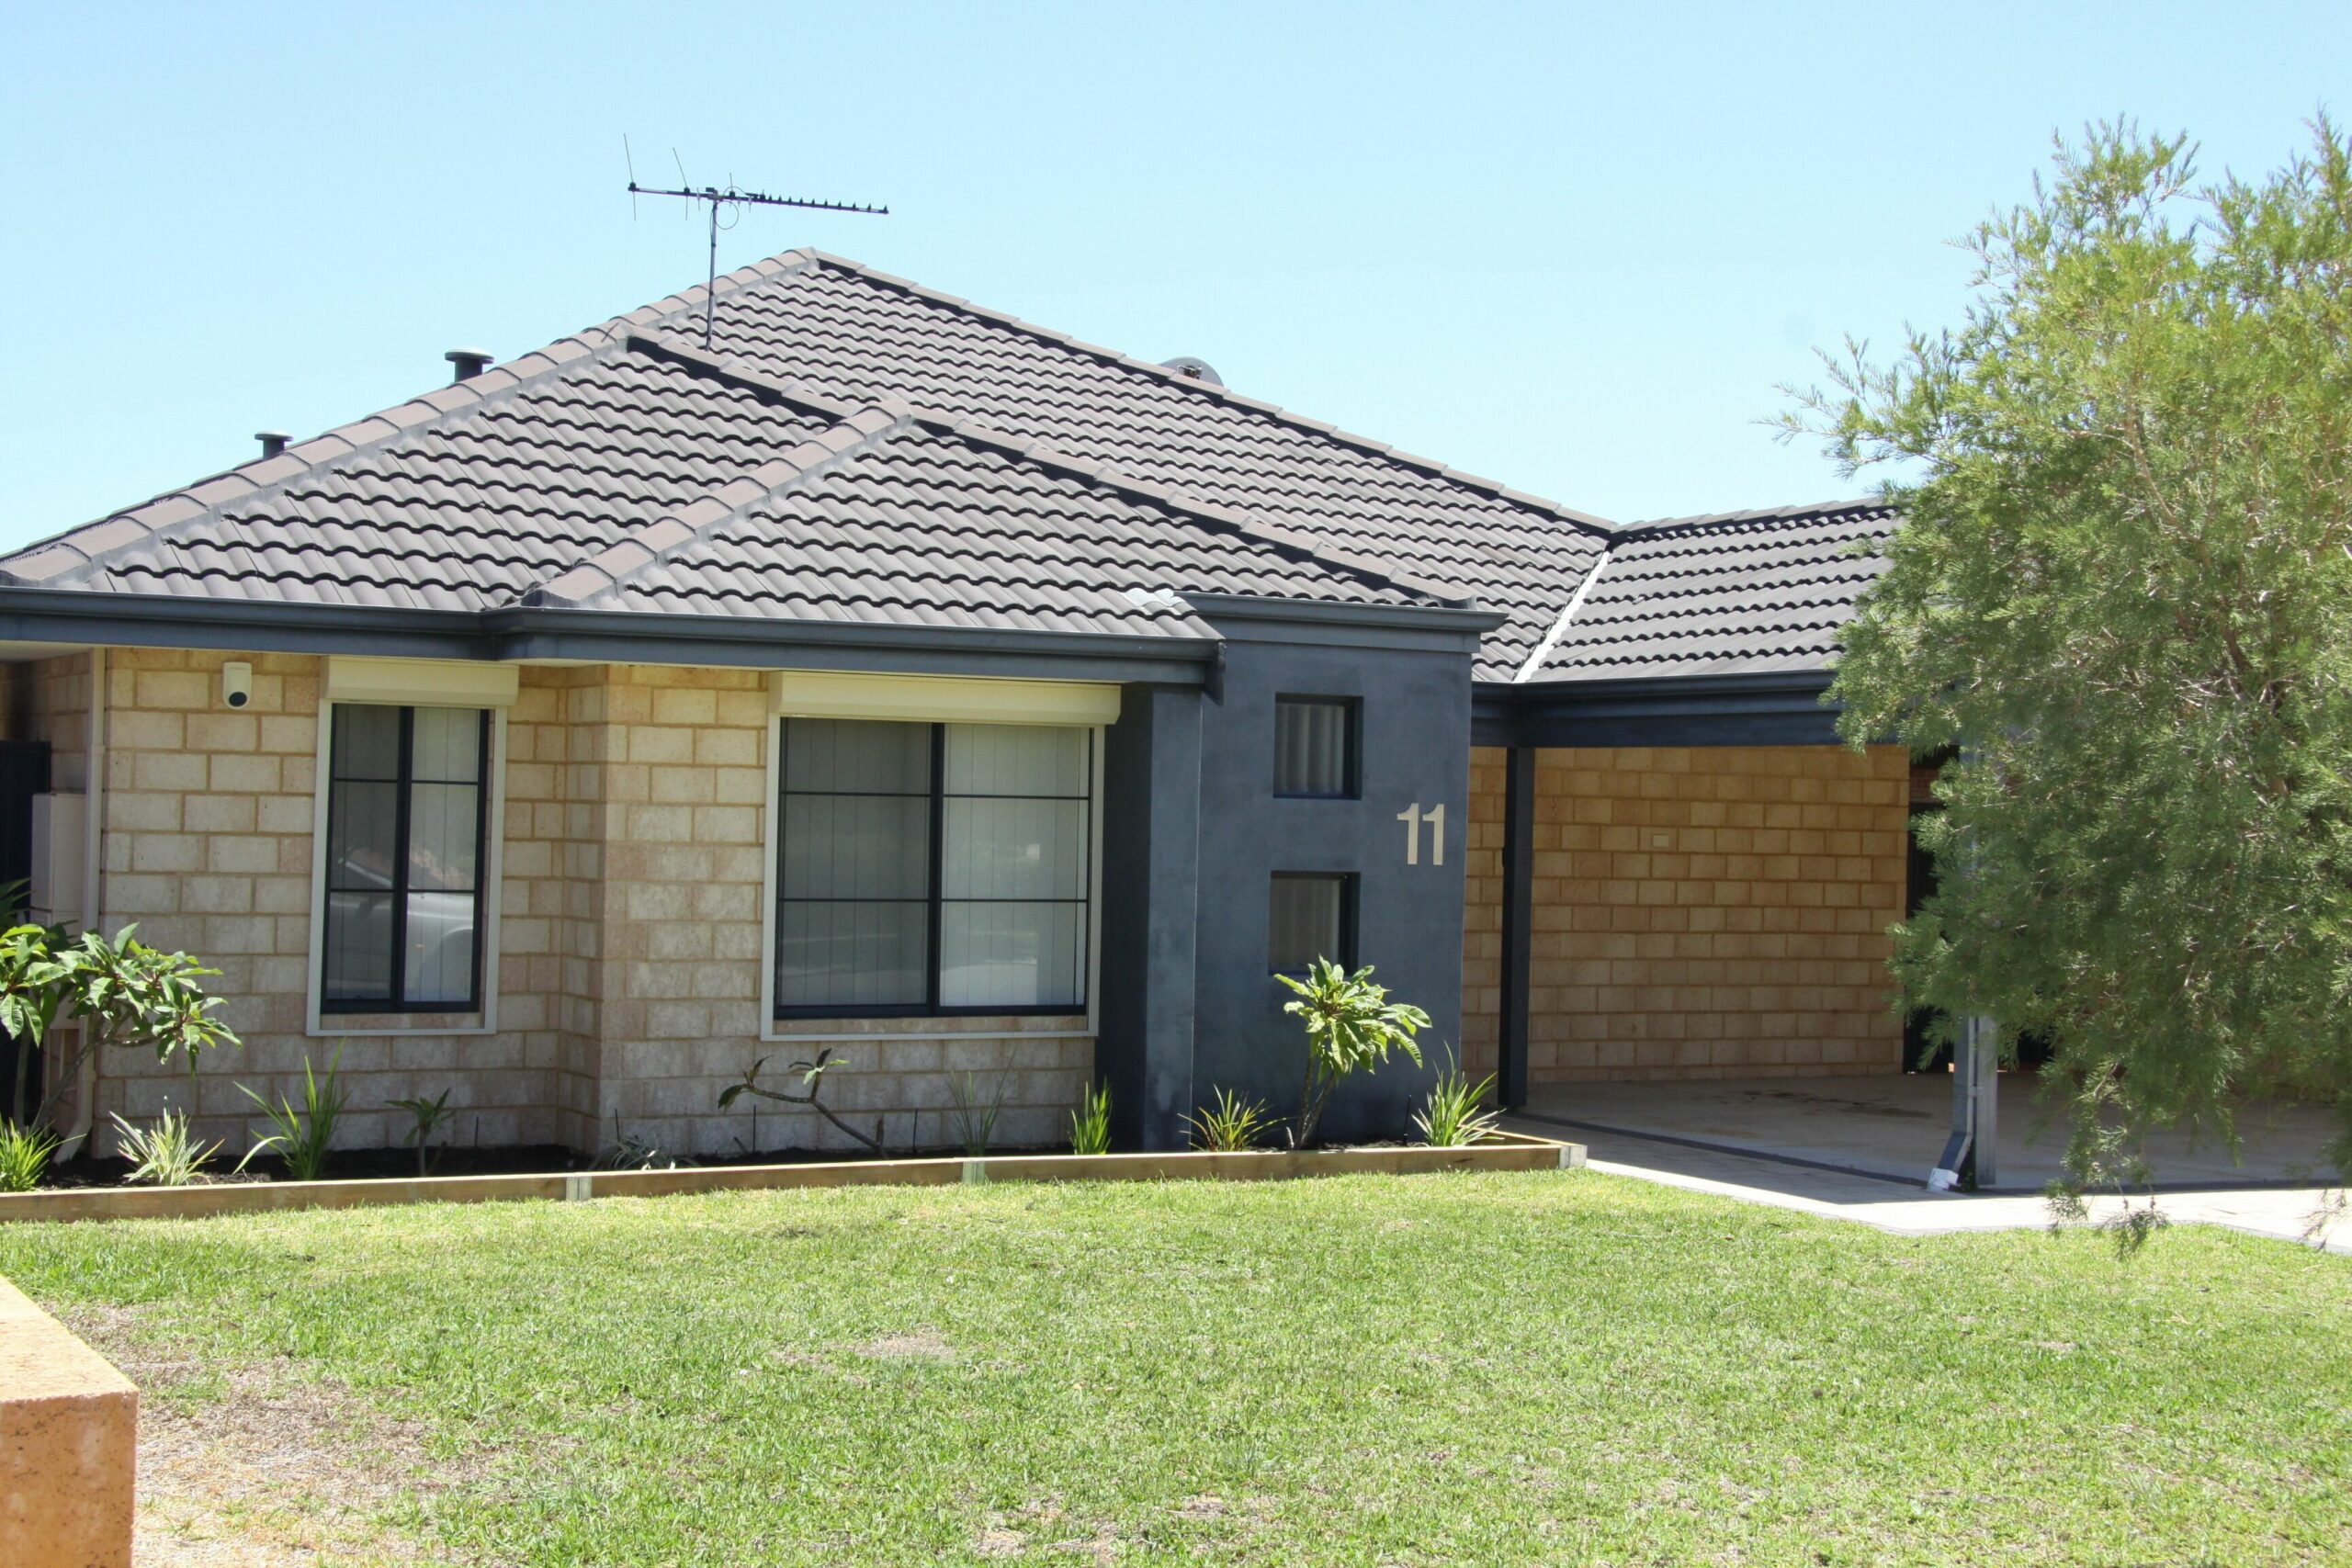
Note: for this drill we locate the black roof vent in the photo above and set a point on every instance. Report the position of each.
(470, 363)
(273, 442)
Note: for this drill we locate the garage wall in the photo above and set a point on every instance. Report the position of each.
(1698, 912)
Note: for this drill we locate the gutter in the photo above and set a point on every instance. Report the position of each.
(517, 632)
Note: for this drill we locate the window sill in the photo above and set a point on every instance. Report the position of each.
(333, 1025)
(930, 1026)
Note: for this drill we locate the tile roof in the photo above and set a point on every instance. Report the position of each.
(1733, 592)
(647, 477)
(854, 447)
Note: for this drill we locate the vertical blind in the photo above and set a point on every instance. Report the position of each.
(1314, 746)
(928, 867)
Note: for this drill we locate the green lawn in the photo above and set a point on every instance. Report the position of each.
(1555, 1367)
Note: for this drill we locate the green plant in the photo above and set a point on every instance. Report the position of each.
(1351, 1025)
(426, 1114)
(23, 1154)
(166, 1155)
(2121, 594)
(120, 990)
(1230, 1125)
(1452, 1115)
(303, 1133)
(813, 1083)
(974, 1118)
(1089, 1124)
(630, 1151)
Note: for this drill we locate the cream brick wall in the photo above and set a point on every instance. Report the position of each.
(630, 933)
(1697, 912)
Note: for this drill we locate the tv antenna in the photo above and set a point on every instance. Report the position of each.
(728, 202)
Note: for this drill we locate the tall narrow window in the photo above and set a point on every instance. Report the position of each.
(406, 815)
(1310, 914)
(1315, 746)
(932, 868)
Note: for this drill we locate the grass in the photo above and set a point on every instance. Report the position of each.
(1554, 1368)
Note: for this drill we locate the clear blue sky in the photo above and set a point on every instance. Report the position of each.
(1571, 247)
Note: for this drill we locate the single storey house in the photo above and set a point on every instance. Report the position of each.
(822, 660)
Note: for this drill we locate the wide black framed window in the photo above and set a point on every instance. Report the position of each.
(932, 868)
(1316, 750)
(408, 811)
(1310, 914)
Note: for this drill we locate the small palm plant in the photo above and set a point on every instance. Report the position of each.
(1455, 1115)
(166, 1155)
(1089, 1124)
(1351, 1025)
(1230, 1126)
(303, 1132)
(426, 1116)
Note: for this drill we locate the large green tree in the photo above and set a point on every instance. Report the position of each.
(2122, 589)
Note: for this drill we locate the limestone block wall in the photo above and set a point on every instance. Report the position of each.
(630, 933)
(669, 772)
(208, 848)
(1710, 912)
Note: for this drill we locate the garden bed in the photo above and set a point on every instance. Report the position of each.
(1502, 1151)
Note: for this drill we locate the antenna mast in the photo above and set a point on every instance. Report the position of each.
(735, 196)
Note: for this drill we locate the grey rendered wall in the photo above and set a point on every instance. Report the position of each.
(1416, 750)
(1151, 804)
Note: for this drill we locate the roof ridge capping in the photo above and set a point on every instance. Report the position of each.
(1038, 453)
(1795, 513)
(853, 431)
(1590, 522)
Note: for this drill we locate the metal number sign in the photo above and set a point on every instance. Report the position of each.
(1413, 817)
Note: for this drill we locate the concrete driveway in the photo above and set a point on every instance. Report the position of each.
(1894, 1124)
(1860, 1149)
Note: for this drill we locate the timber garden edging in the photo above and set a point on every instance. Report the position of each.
(1502, 1151)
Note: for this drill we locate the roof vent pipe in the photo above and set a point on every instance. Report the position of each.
(1194, 369)
(470, 363)
(273, 442)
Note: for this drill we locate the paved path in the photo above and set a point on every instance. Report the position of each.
(1906, 1209)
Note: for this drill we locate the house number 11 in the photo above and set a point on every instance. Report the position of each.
(1413, 817)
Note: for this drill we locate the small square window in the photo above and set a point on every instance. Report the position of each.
(1310, 914)
(1315, 746)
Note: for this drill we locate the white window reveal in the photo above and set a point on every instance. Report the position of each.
(927, 869)
(407, 825)
(405, 853)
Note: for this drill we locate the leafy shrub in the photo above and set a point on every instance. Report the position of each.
(24, 1156)
(1351, 1025)
(303, 1133)
(1089, 1124)
(166, 1155)
(1230, 1126)
(1453, 1116)
(123, 992)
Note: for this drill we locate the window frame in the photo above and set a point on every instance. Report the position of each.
(1351, 708)
(935, 901)
(1350, 937)
(485, 872)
